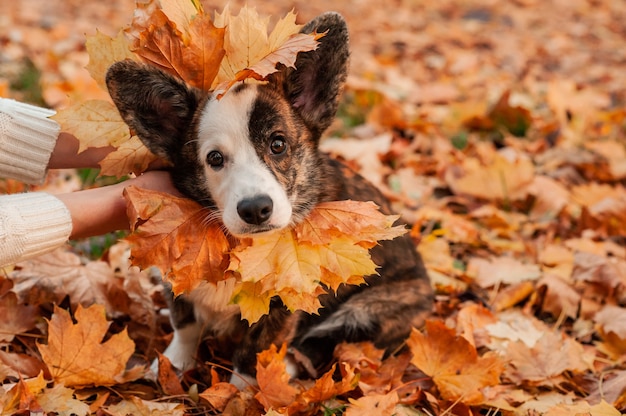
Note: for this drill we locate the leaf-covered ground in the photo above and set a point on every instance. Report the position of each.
(497, 128)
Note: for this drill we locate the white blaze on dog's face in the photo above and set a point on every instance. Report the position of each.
(244, 188)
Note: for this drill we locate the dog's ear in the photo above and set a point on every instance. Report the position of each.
(157, 106)
(314, 86)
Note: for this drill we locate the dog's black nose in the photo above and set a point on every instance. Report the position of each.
(255, 210)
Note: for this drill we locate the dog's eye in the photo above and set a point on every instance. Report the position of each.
(278, 145)
(215, 159)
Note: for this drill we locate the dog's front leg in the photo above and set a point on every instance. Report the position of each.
(187, 334)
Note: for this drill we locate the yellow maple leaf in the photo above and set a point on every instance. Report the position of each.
(280, 264)
(251, 53)
(253, 300)
(303, 301)
(182, 13)
(245, 40)
(130, 156)
(279, 257)
(453, 363)
(75, 353)
(171, 233)
(103, 51)
(346, 260)
(95, 123)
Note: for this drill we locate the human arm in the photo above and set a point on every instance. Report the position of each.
(37, 222)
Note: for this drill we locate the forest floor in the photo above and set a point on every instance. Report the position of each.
(498, 130)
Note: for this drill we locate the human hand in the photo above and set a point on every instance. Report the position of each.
(102, 210)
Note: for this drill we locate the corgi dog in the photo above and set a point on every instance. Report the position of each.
(252, 159)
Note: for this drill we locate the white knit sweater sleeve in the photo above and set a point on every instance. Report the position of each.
(36, 222)
(31, 224)
(27, 139)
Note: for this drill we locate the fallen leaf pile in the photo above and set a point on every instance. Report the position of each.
(498, 131)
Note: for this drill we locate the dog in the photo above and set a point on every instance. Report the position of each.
(252, 158)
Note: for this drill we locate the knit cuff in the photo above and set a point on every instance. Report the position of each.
(31, 224)
(27, 139)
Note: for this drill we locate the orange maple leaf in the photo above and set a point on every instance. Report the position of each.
(453, 363)
(274, 389)
(194, 56)
(171, 233)
(75, 353)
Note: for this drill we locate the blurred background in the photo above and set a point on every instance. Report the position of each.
(417, 51)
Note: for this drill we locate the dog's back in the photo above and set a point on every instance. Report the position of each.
(253, 157)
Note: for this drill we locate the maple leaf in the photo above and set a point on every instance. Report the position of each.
(169, 233)
(253, 300)
(130, 156)
(219, 394)
(182, 13)
(326, 387)
(500, 179)
(138, 407)
(545, 361)
(360, 220)
(330, 247)
(96, 123)
(251, 53)
(103, 52)
(375, 404)
(60, 401)
(17, 317)
(191, 47)
(274, 389)
(75, 353)
(23, 395)
(453, 363)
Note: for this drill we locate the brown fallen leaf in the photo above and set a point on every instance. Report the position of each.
(17, 317)
(375, 404)
(500, 179)
(219, 395)
(544, 363)
(167, 377)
